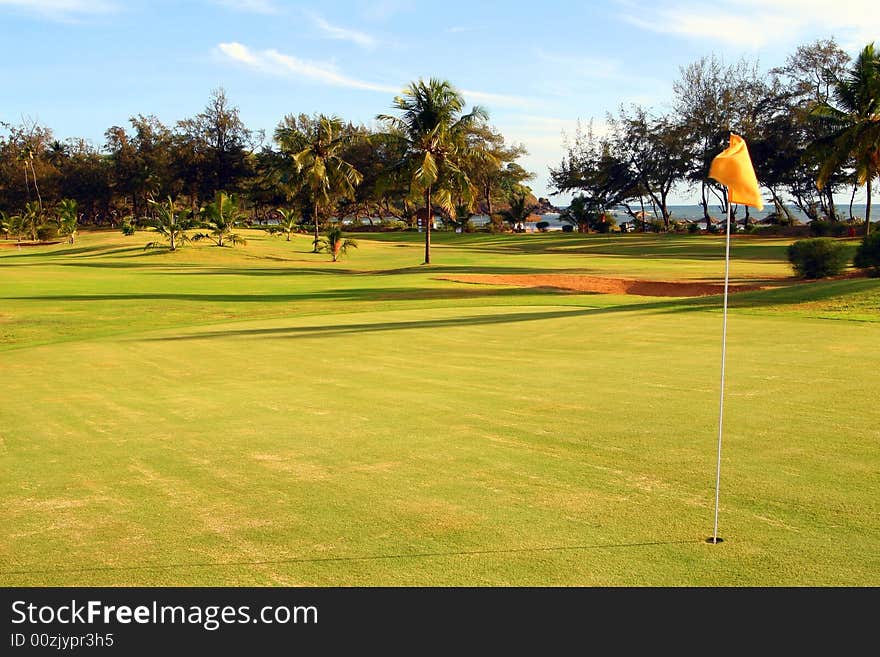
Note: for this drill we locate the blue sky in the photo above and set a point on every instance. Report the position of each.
(81, 66)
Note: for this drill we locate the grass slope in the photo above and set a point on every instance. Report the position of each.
(262, 416)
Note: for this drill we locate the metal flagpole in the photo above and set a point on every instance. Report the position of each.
(714, 538)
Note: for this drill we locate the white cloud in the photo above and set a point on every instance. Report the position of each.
(273, 62)
(239, 53)
(758, 23)
(342, 33)
(62, 10)
(251, 6)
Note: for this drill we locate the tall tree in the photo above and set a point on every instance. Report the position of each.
(325, 174)
(220, 143)
(491, 165)
(788, 127)
(435, 129)
(657, 150)
(854, 121)
(87, 178)
(712, 99)
(592, 166)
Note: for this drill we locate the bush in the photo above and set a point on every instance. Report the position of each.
(817, 257)
(567, 228)
(47, 232)
(693, 228)
(868, 254)
(825, 228)
(496, 223)
(605, 222)
(542, 226)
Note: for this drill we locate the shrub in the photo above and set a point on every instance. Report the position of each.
(825, 228)
(693, 228)
(868, 254)
(394, 224)
(542, 226)
(605, 222)
(817, 257)
(496, 223)
(567, 228)
(820, 228)
(47, 232)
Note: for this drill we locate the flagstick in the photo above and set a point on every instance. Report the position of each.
(715, 538)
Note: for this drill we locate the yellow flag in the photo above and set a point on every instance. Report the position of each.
(733, 169)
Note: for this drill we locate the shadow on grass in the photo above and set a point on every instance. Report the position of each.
(375, 327)
(687, 247)
(353, 294)
(374, 557)
(789, 291)
(79, 251)
(742, 301)
(334, 270)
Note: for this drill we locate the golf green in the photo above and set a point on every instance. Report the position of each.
(262, 416)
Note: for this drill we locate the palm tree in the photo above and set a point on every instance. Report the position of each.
(5, 224)
(67, 219)
(325, 174)
(519, 211)
(170, 223)
(854, 122)
(289, 222)
(17, 226)
(31, 219)
(58, 152)
(435, 131)
(222, 215)
(335, 244)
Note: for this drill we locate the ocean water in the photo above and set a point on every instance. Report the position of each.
(696, 212)
(681, 212)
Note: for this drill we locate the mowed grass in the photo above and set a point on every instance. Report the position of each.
(261, 416)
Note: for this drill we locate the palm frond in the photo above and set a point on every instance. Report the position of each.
(427, 173)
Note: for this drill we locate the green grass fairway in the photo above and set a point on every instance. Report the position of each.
(262, 416)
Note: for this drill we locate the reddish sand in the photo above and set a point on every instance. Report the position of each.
(604, 285)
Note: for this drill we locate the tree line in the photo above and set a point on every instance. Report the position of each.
(812, 126)
(429, 154)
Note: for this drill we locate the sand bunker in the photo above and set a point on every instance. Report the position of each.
(603, 285)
